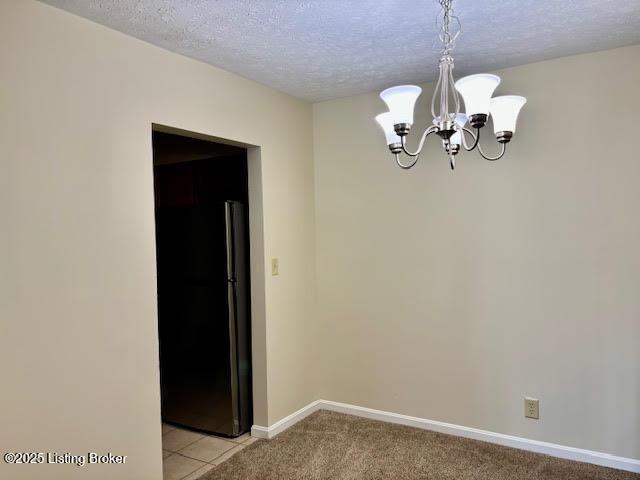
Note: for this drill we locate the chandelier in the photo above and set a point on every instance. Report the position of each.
(448, 122)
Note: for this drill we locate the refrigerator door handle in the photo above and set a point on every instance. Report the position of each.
(232, 303)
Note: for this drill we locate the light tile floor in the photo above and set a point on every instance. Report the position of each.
(188, 455)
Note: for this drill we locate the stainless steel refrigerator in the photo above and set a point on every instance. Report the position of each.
(204, 325)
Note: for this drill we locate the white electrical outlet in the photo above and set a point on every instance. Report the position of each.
(531, 408)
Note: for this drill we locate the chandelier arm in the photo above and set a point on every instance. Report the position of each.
(409, 165)
(427, 132)
(475, 136)
(493, 159)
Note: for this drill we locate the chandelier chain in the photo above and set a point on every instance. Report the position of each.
(448, 36)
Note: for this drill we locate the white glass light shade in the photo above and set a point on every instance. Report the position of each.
(386, 122)
(401, 101)
(504, 111)
(461, 120)
(476, 91)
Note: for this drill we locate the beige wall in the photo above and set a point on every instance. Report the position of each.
(451, 296)
(78, 327)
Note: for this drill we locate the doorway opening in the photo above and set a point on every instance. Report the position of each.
(204, 317)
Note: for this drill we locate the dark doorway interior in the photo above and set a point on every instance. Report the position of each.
(201, 200)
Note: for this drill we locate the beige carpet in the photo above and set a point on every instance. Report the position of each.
(329, 445)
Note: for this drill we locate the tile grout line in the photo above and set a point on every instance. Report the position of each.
(187, 445)
(184, 456)
(190, 458)
(206, 463)
(214, 459)
(237, 445)
(182, 478)
(205, 436)
(234, 443)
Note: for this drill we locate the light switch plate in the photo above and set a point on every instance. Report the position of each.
(531, 408)
(275, 267)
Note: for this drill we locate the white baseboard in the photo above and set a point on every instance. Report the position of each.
(560, 451)
(281, 425)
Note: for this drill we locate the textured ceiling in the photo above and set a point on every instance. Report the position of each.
(322, 49)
